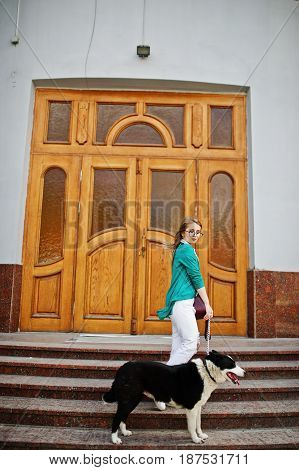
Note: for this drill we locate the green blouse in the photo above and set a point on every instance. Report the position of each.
(186, 278)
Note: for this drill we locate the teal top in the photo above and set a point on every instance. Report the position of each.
(186, 278)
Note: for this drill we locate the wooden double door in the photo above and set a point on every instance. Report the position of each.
(129, 209)
(112, 174)
(114, 221)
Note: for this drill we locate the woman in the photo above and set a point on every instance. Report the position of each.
(186, 282)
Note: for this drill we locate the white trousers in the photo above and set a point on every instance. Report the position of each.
(185, 334)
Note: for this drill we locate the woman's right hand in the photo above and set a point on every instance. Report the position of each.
(209, 313)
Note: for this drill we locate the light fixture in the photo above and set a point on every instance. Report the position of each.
(143, 51)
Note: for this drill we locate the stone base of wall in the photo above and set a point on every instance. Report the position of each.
(273, 304)
(10, 296)
(272, 299)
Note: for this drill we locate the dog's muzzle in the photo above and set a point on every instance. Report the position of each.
(235, 373)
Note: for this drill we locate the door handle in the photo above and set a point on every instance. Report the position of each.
(143, 244)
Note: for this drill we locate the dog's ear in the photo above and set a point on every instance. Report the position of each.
(215, 353)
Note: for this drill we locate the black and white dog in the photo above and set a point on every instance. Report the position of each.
(187, 386)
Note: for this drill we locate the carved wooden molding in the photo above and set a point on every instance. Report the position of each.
(197, 125)
(82, 126)
(131, 120)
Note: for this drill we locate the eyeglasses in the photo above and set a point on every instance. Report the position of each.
(197, 233)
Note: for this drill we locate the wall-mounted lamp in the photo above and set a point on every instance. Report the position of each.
(143, 51)
(15, 40)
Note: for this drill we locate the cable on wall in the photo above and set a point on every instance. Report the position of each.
(16, 39)
(143, 50)
(143, 20)
(91, 37)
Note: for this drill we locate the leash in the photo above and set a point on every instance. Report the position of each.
(208, 337)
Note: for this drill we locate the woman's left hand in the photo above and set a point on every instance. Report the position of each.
(209, 313)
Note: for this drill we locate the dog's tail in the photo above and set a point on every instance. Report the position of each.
(109, 397)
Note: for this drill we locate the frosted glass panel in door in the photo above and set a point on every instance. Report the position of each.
(167, 200)
(52, 217)
(108, 200)
(222, 236)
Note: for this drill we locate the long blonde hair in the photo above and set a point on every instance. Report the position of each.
(179, 234)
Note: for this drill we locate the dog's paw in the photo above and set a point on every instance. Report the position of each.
(202, 435)
(115, 439)
(160, 405)
(124, 430)
(197, 440)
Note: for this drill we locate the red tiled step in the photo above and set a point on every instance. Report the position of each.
(80, 368)
(107, 369)
(41, 437)
(92, 389)
(127, 352)
(84, 413)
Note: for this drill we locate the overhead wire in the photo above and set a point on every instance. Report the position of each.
(91, 39)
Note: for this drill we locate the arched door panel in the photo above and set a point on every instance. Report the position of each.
(50, 240)
(223, 256)
(167, 194)
(106, 246)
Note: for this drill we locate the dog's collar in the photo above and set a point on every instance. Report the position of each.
(205, 364)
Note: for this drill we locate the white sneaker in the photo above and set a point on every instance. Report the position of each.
(160, 405)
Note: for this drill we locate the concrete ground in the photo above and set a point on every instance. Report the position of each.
(146, 342)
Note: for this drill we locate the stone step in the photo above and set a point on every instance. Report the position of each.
(92, 389)
(88, 413)
(127, 352)
(42, 437)
(86, 368)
